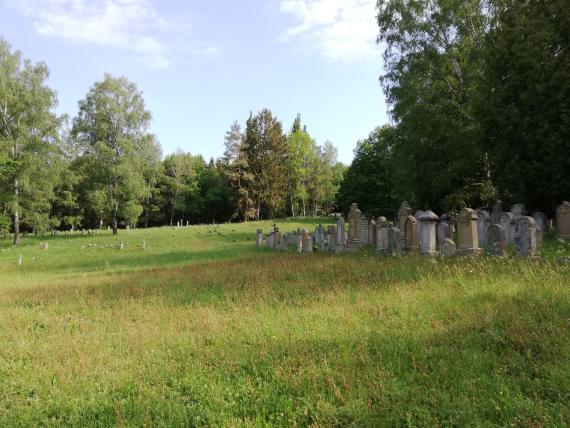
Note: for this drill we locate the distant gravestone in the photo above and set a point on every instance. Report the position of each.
(507, 221)
(563, 220)
(354, 227)
(518, 210)
(443, 229)
(496, 240)
(382, 244)
(364, 226)
(428, 239)
(270, 240)
(403, 214)
(411, 243)
(340, 235)
(331, 237)
(525, 238)
(394, 241)
(307, 242)
(283, 243)
(496, 211)
(448, 248)
(483, 223)
(299, 242)
(541, 226)
(467, 231)
(372, 232)
(259, 238)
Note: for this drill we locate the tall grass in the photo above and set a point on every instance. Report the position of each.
(203, 329)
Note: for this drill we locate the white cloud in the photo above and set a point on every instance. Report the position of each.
(133, 26)
(339, 29)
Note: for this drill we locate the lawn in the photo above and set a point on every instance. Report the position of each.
(203, 329)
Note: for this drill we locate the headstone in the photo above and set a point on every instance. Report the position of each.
(270, 240)
(354, 227)
(283, 243)
(525, 238)
(382, 244)
(468, 237)
(259, 238)
(443, 229)
(428, 240)
(364, 231)
(411, 243)
(403, 214)
(541, 226)
(307, 242)
(299, 242)
(20, 260)
(372, 233)
(394, 241)
(563, 221)
(496, 211)
(331, 236)
(144, 245)
(507, 221)
(518, 210)
(496, 240)
(340, 235)
(448, 248)
(483, 223)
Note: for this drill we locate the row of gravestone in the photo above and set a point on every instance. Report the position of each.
(426, 233)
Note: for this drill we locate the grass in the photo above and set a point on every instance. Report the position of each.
(203, 329)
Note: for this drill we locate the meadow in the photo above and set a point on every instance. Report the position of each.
(201, 328)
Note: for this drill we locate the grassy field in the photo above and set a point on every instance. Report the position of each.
(203, 329)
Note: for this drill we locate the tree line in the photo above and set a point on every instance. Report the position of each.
(479, 98)
(105, 168)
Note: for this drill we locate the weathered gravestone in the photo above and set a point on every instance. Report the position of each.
(496, 240)
(270, 240)
(299, 242)
(403, 214)
(331, 236)
(443, 229)
(372, 232)
(340, 235)
(563, 221)
(518, 210)
(354, 227)
(507, 220)
(525, 238)
(467, 231)
(394, 241)
(483, 223)
(283, 243)
(259, 238)
(496, 211)
(541, 226)
(411, 242)
(382, 235)
(428, 239)
(448, 248)
(364, 231)
(307, 242)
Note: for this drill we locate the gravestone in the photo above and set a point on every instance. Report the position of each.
(411, 243)
(525, 237)
(518, 210)
(403, 214)
(443, 229)
(372, 233)
(364, 231)
(496, 211)
(563, 221)
(483, 222)
(496, 240)
(467, 231)
(283, 243)
(382, 244)
(299, 242)
(270, 240)
(428, 239)
(331, 236)
(259, 238)
(507, 220)
(448, 248)
(307, 242)
(340, 235)
(541, 226)
(354, 227)
(394, 241)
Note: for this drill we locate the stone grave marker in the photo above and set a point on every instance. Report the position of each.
(448, 248)
(507, 220)
(394, 241)
(563, 220)
(354, 227)
(411, 243)
(496, 240)
(467, 231)
(428, 239)
(382, 244)
(483, 223)
(525, 237)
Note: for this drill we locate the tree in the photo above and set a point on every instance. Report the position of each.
(112, 128)
(28, 137)
(267, 159)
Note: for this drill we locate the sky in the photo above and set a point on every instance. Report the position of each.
(204, 64)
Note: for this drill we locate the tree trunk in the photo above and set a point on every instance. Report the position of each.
(115, 227)
(16, 214)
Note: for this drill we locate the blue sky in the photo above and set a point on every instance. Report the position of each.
(204, 64)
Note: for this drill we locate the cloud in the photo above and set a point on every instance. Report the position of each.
(133, 26)
(342, 30)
